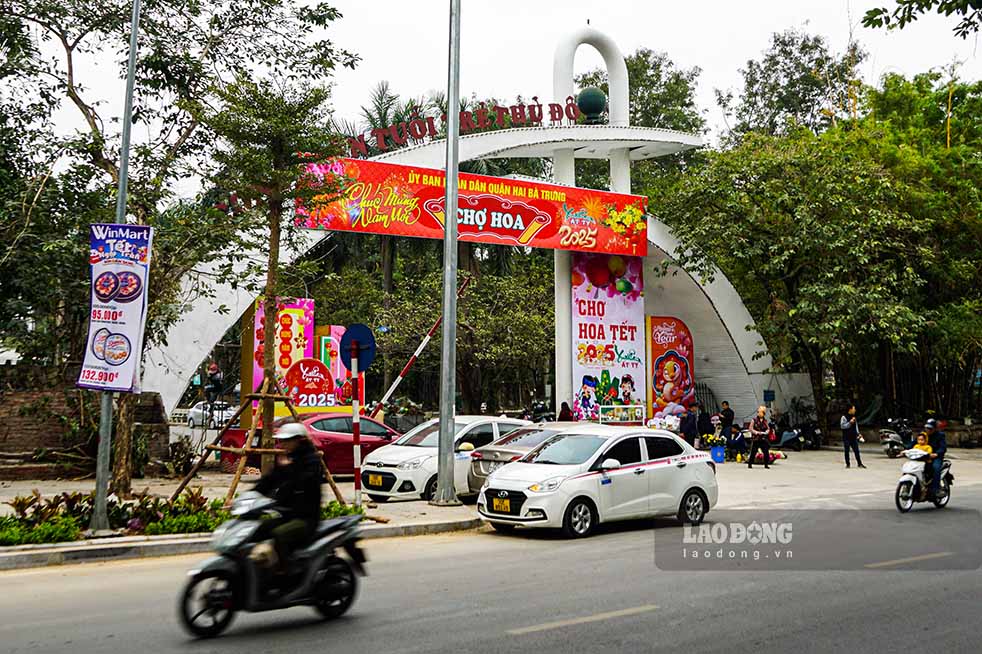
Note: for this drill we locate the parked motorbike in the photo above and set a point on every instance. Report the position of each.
(792, 440)
(235, 580)
(811, 434)
(541, 413)
(897, 438)
(912, 486)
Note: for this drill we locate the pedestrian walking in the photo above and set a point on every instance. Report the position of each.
(759, 431)
(850, 435)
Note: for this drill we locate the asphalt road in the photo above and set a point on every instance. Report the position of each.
(893, 588)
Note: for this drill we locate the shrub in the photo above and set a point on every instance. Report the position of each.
(63, 517)
(335, 509)
(12, 531)
(57, 530)
(186, 524)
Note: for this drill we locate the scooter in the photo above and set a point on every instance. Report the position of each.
(235, 580)
(792, 440)
(912, 488)
(897, 438)
(811, 435)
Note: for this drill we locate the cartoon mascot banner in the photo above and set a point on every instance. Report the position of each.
(671, 375)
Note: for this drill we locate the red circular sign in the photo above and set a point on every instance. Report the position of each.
(309, 383)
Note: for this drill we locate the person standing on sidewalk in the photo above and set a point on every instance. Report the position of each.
(850, 435)
(759, 431)
(689, 425)
(726, 418)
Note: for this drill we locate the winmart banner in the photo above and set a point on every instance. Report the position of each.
(399, 200)
(119, 256)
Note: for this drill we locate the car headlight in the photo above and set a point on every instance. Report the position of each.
(547, 486)
(412, 464)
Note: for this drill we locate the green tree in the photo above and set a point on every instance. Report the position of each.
(816, 231)
(798, 82)
(186, 51)
(662, 95)
(271, 133)
(925, 132)
(905, 12)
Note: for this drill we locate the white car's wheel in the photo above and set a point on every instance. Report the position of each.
(191, 422)
(693, 508)
(580, 518)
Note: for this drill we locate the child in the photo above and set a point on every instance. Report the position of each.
(922, 444)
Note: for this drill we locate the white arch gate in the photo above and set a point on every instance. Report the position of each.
(170, 366)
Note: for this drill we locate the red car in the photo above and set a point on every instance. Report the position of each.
(332, 434)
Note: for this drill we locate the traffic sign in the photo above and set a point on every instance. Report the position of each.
(366, 346)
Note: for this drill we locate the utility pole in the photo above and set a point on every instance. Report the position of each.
(100, 518)
(448, 356)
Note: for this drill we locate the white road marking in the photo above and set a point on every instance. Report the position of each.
(583, 620)
(910, 559)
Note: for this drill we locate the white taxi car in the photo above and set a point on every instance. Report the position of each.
(407, 468)
(597, 473)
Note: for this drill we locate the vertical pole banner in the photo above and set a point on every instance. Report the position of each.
(294, 341)
(671, 377)
(119, 257)
(608, 332)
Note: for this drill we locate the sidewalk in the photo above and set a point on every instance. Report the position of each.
(818, 474)
(214, 484)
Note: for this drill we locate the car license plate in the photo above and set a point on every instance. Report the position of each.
(374, 480)
(501, 505)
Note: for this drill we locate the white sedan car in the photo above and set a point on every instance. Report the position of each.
(407, 468)
(596, 473)
(201, 415)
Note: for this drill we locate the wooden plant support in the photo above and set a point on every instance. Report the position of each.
(265, 392)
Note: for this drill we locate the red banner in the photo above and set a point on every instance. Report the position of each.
(401, 200)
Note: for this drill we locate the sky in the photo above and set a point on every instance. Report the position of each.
(507, 45)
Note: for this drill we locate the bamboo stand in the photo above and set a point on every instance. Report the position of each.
(247, 449)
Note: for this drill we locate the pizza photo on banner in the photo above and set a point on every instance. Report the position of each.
(671, 377)
(398, 200)
(608, 333)
(119, 258)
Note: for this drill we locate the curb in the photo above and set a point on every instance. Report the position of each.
(137, 547)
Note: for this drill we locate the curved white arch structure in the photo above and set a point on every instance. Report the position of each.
(584, 141)
(714, 312)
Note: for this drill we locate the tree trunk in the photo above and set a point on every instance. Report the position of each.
(123, 445)
(816, 373)
(270, 313)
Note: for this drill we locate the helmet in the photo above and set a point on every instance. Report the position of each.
(930, 424)
(290, 430)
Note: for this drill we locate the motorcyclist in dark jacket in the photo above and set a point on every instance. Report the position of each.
(936, 439)
(295, 484)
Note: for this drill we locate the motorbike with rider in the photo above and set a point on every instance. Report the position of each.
(926, 477)
(275, 552)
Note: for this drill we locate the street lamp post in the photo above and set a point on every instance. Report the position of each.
(445, 491)
(100, 517)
